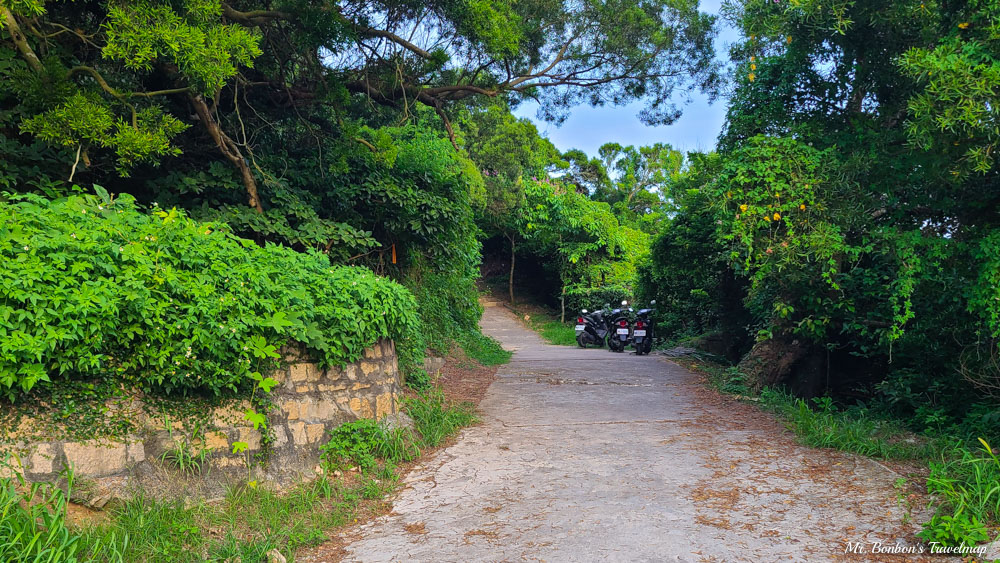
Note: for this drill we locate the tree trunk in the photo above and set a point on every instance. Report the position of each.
(772, 362)
(562, 305)
(229, 149)
(510, 281)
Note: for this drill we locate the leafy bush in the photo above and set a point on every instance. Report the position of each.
(960, 529)
(592, 298)
(94, 287)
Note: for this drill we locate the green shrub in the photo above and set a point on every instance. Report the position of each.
(960, 529)
(592, 298)
(364, 441)
(94, 287)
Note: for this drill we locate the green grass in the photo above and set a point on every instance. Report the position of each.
(966, 483)
(436, 418)
(484, 349)
(555, 332)
(854, 430)
(33, 522)
(549, 328)
(247, 524)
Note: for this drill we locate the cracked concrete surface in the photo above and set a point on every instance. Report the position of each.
(588, 455)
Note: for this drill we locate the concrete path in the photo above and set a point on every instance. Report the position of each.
(588, 455)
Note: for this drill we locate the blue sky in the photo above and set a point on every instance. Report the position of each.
(588, 128)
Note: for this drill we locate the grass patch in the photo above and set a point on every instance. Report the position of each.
(555, 332)
(245, 526)
(855, 430)
(548, 327)
(484, 349)
(966, 482)
(436, 418)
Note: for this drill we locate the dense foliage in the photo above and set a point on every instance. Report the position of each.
(96, 288)
(849, 218)
(333, 127)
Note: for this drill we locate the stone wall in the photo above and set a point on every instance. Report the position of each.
(308, 402)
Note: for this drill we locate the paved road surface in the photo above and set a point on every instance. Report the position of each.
(587, 455)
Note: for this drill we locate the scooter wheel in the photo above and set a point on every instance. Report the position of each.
(580, 340)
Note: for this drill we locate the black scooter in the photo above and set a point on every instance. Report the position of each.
(619, 328)
(642, 331)
(591, 328)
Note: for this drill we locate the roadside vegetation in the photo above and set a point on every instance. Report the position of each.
(839, 249)
(962, 478)
(360, 466)
(549, 327)
(188, 186)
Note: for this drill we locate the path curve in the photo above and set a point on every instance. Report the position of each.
(587, 455)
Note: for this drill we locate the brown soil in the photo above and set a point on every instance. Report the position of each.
(464, 379)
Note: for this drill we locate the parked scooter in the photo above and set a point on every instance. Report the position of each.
(642, 331)
(619, 328)
(591, 328)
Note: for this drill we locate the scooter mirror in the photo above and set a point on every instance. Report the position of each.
(653, 302)
(584, 311)
(624, 302)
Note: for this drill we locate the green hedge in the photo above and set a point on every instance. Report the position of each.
(92, 287)
(592, 298)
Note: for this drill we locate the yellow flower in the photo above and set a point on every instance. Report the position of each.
(802, 207)
(752, 76)
(729, 195)
(743, 208)
(776, 194)
(766, 218)
(777, 216)
(752, 59)
(788, 39)
(963, 25)
(753, 67)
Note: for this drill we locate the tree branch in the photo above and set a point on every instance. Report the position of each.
(229, 149)
(372, 32)
(253, 17)
(20, 41)
(120, 95)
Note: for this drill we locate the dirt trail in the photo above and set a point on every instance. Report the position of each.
(585, 455)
